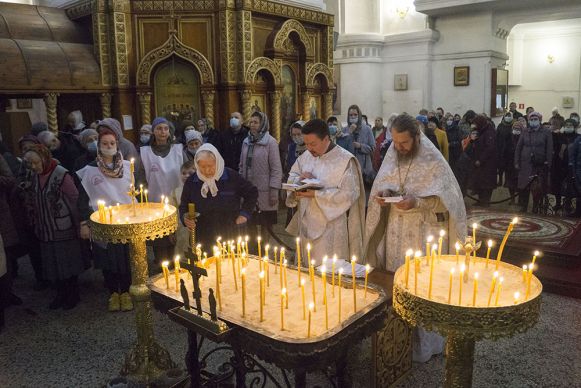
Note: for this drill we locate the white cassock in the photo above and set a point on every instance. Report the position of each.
(390, 232)
(332, 222)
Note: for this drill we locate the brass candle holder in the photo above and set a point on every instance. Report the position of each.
(147, 361)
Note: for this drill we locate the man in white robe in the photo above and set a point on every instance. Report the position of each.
(432, 201)
(330, 219)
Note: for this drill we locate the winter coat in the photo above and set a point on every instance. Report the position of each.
(559, 166)
(504, 148)
(575, 161)
(532, 146)
(265, 171)
(454, 135)
(231, 146)
(483, 176)
(364, 136)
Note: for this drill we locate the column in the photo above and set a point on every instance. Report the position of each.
(328, 104)
(105, 99)
(275, 120)
(306, 106)
(246, 105)
(208, 99)
(50, 100)
(145, 107)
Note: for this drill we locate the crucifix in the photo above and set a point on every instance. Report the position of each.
(196, 272)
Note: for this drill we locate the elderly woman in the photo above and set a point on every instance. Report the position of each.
(162, 161)
(88, 138)
(145, 135)
(532, 158)
(107, 178)
(260, 164)
(56, 225)
(223, 198)
(193, 141)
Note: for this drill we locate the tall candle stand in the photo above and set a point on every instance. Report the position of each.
(147, 361)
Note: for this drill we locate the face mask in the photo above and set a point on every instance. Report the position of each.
(92, 147)
(333, 130)
(192, 150)
(516, 132)
(109, 151)
(186, 133)
(353, 120)
(575, 119)
(144, 139)
(507, 119)
(449, 122)
(534, 124)
(298, 140)
(234, 122)
(568, 129)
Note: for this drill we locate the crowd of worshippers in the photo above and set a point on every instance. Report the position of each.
(51, 184)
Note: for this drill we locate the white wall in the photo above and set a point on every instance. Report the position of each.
(538, 83)
(361, 16)
(391, 23)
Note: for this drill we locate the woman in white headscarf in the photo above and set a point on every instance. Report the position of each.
(224, 200)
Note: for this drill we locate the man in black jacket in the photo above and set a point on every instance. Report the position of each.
(231, 141)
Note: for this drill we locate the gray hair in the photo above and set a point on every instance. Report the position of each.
(205, 155)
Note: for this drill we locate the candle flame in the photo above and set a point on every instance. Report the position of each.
(298, 240)
(283, 291)
(536, 253)
(367, 268)
(476, 276)
(323, 269)
(452, 270)
(261, 275)
(490, 243)
(524, 267)
(313, 262)
(353, 259)
(434, 246)
(418, 254)
(531, 266)
(334, 258)
(267, 247)
(515, 220)
(246, 238)
(243, 272)
(284, 262)
(177, 257)
(409, 252)
(474, 225)
(259, 238)
(165, 263)
(311, 306)
(341, 271)
(457, 245)
(308, 246)
(430, 238)
(501, 279)
(463, 268)
(302, 282)
(265, 259)
(495, 274)
(132, 160)
(442, 233)
(516, 295)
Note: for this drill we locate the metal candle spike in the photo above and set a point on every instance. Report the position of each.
(469, 247)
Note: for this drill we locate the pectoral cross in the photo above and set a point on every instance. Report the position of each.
(196, 273)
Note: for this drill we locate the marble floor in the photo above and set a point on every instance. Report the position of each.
(85, 347)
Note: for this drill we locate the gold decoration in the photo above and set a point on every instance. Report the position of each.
(244, 42)
(278, 9)
(306, 106)
(145, 106)
(147, 360)
(275, 99)
(246, 105)
(208, 98)
(50, 100)
(265, 63)
(287, 28)
(174, 46)
(328, 104)
(314, 69)
(227, 41)
(101, 40)
(105, 99)
(121, 36)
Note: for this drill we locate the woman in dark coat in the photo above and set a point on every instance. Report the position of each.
(454, 141)
(511, 177)
(562, 139)
(483, 177)
(223, 198)
(505, 151)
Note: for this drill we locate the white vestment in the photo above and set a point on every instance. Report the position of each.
(390, 232)
(332, 222)
(162, 173)
(101, 187)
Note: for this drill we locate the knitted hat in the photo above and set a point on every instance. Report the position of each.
(113, 125)
(157, 121)
(537, 115)
(193, 135)
(84, 135)
(422, 119)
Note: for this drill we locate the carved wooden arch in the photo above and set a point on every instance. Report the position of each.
(174, 46)
(263, 63)
(313, 69)
(283, 32)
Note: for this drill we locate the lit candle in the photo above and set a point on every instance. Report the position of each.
(492, 287)
(440, 240)
(265, 266)
(199, 251)
(261, 295)
(490, 242)
(474, 226)
(501, 248)
(353, 260)
(146, 198)
(324, 278)
(524, 273)
(408, 255)
(282, 298)
(428, 245)
(313, 282)
(162, 197)
(333, 274)
(275, 258)
(218, 296)
(450, 288)
(311, 308)
(164, 267)
(340, 276)
(475, 289)
(530, 275)
(416, 270)
(176, 268)
(303, 297)
(431, 277)
(299, 258)
(141, 193)
(259, 240)
(367, 269)
(238, 253)
(500, 280)
(234, 274)
(535, 254)
(246, 244)
(309, 253)
(243, 277)
(132, 165)
(516, 297)
(461, 280)
(457, 246)
(284, 265)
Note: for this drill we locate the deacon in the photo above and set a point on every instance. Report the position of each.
(330, 219)
(414, 169)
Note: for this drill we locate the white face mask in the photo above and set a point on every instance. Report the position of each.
(109, 151)
(353, 120)
(234, 122)
(144, 139)
(449, 122)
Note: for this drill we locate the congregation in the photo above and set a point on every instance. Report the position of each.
(234, 176)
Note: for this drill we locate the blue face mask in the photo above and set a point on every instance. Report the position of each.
(332, 130)
(92, 147)
(234, 122)
(534, 123)
(144, 139)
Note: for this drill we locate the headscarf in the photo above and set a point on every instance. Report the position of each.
(30, 138)
(48, 163)
(209, 183)
(79, 123)
(146, 127)
(85, 134)
(253, 139)
(359, 116)
(115, 171)
(193, 135)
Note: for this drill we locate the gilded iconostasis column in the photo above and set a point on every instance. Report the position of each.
(246, 105)
(328, 105)
(208, 99)
(275, 119)
(145, 107)
(105, 99)
(50, 100)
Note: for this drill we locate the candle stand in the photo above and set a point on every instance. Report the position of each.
(465, 324)
(147, 361)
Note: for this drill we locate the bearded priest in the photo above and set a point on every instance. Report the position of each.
(330, 219)
(414, 169)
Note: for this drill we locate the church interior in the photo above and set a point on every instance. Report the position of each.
(231, 76)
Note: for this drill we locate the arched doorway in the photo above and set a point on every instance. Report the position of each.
(262, 86)
(177, 94)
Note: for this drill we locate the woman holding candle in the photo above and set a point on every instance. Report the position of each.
(223, 198)
(56, 225)
(107, 179)
(162, 161)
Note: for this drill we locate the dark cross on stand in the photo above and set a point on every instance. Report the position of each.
(196, 272)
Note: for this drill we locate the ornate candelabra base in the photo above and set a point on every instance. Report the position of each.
(460, 361)
(147, 363)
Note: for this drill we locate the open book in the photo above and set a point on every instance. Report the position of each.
(305, 184)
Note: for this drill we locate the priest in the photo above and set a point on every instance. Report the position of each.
(330, 219)
(414, 169)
